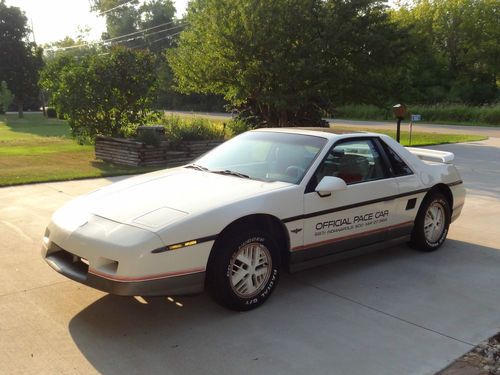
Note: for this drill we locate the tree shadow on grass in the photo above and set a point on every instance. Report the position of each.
(37, 124)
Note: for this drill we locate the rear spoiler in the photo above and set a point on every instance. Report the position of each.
(435, 155)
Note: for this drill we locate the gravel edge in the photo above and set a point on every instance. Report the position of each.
(484, 359)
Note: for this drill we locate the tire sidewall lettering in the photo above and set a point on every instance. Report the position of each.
(250, 240)
(267, 290)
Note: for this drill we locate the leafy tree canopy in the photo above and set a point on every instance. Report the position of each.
(102, 94)
(283, 62)
(459, 55)
(20, 60)
(155, 17)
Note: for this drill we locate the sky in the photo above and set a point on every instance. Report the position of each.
(55, 19)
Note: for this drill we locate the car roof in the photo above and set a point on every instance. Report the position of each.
(330, 133)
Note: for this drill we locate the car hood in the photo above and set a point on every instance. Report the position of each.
(158, 199)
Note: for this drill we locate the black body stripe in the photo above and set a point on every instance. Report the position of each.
(318, 213)
(198, 241)
(354, 205)
(365, 203)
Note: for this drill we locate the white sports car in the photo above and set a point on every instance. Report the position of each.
(266, 200)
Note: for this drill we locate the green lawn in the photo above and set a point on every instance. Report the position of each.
(419, 138)
(36, 149)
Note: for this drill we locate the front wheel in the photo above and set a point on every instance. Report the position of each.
(432, 223)
(244, 271)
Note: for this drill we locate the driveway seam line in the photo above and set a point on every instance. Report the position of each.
(388, 314)
(35, 288)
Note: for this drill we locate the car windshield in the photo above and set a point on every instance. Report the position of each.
(267, 156)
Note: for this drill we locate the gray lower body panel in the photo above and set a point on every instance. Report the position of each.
(64, 263)
(313, 257)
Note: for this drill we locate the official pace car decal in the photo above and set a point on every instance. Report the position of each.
(351, 222)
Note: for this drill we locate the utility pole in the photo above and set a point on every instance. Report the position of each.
(42, 96)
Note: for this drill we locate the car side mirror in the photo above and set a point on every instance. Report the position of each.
(329, 184)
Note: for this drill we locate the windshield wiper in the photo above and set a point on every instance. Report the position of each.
(231, 173)
(197, 166)
(224, 171)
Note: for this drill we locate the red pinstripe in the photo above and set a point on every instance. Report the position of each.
(147, 278)
(315, 244)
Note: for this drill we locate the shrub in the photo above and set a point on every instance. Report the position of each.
(459, 113)
(197, 129)
(490, 115)
(150, 135)
(51, 112)
(103, 94)
(444, 113)
(362, 112)
(237, 126)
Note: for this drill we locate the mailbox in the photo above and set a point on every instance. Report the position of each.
(400, 111)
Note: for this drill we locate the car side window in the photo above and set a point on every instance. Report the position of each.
(398, 166)
(354, 161)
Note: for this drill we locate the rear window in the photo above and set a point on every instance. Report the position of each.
(398, 166)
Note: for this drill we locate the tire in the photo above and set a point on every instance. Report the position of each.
(233, 279)
(432, 223)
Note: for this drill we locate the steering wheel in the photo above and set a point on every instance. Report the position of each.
(295, 171)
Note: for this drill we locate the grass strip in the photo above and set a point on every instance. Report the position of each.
(37, 149)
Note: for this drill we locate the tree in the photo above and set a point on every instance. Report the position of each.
(20, 60)
(54, 81)
(154, 13)
(460, 52)
(121, 17)
(282, 62)
(125, 20)
(102, 94)
(77, 47)
(60, 56)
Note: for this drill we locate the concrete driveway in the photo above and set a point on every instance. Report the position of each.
(393, 312)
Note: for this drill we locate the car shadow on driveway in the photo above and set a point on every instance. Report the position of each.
(393, 311)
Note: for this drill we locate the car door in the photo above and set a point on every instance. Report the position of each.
(360, 215)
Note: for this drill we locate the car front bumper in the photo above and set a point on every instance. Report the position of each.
(77, 269)
(117, 258)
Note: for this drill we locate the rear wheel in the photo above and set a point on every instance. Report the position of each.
(432, 223)
(244, 271)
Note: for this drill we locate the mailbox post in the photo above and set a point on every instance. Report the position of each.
(400, 111)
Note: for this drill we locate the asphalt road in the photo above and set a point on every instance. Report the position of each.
(397, 311)
(418, 126)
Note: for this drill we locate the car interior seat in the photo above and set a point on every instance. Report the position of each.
(353, 168)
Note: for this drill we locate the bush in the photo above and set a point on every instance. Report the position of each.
(490, 115)
(103, 94)
(459, 113)
(196, 129)
(237, 126)
(51, 112)
(362, 112)
(150, 135)
(444, 113)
